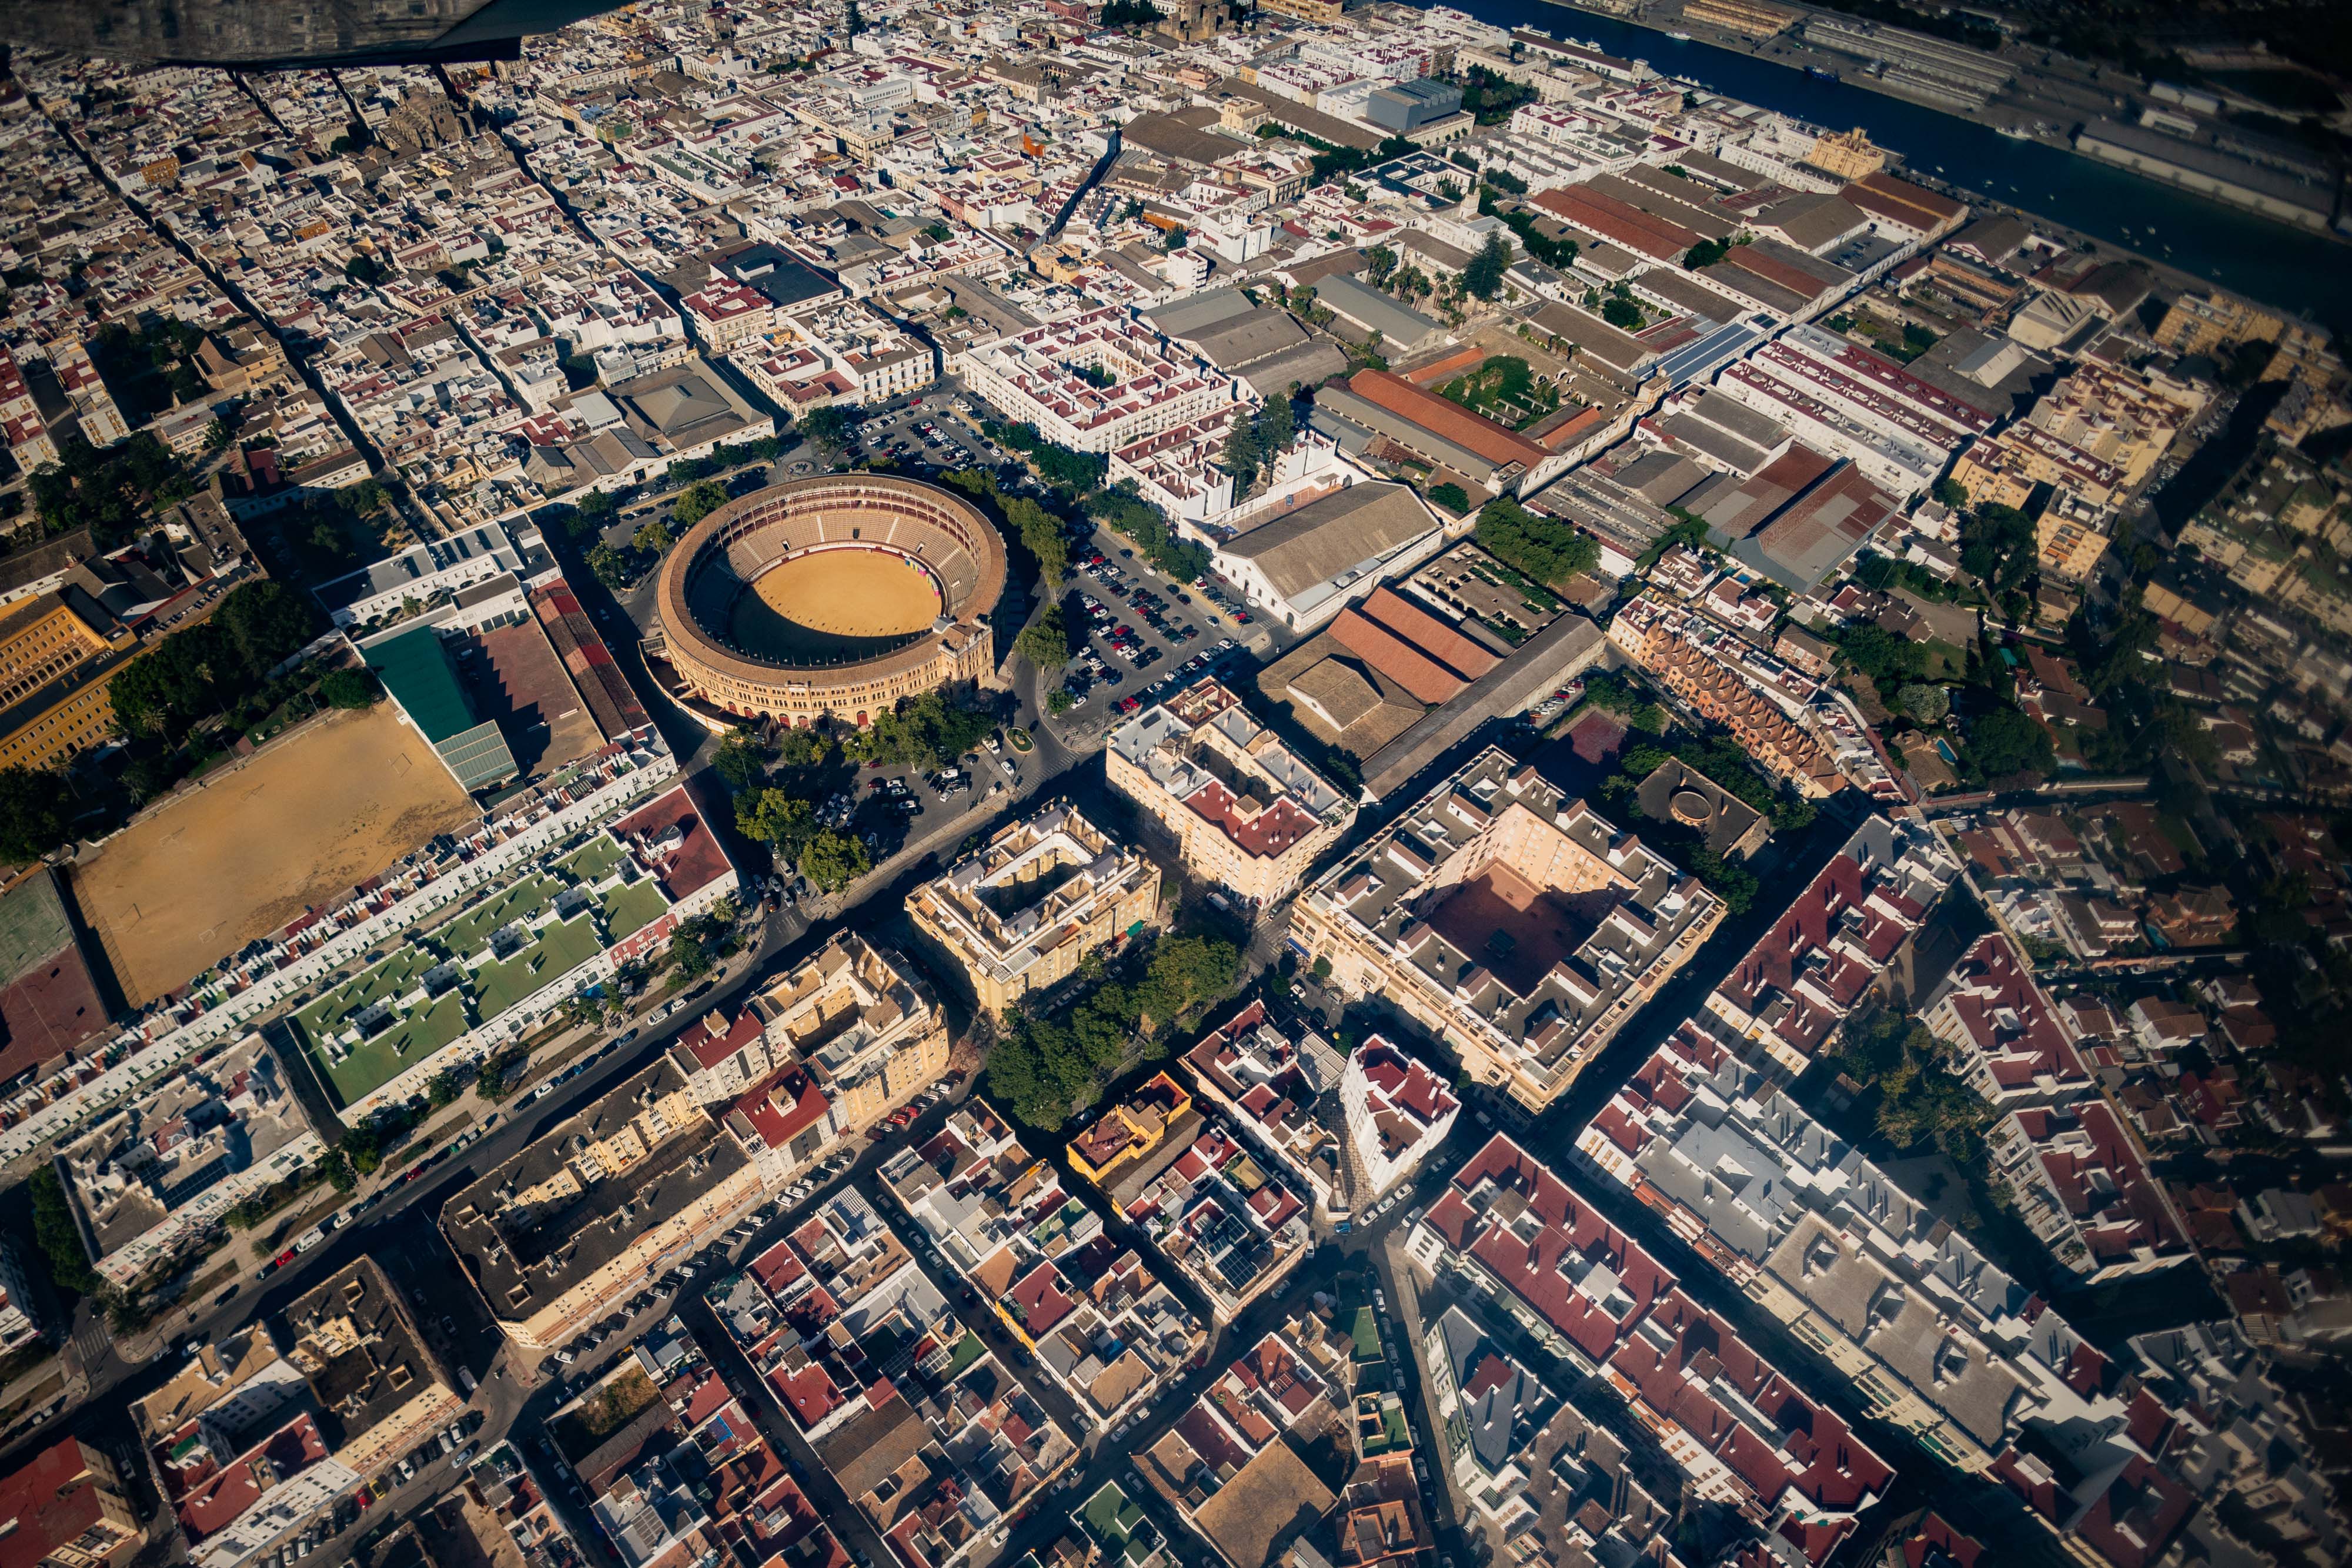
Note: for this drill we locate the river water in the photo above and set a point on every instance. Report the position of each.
(2284, 268)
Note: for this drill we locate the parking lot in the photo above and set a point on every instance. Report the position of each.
(921, 430)
(1145, 634)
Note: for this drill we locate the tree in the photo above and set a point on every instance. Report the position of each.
(2005, 740)
(737, 760)
(1451, 497)
(1041, 533)
(1621, 313)
(31, 813)
(364, 270)
(1277, 423)
(783, 822)
(1046, 642)
(1705, 253)
(1927, 704)
(804, 746)
(1545, 549)
(653, 537)
(268, 622)
(1951, 493)
(1483, 275)
(701, 499)
(1059, 702)
(349, 688)
(687, 950)
(830, 427)
(1379, 261)
(595, 510)
(1242, 456)
(605, 563)
(59, 1238)
(216, 436)
(833, 860)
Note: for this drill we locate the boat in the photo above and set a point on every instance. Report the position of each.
(2014, 132)
(1680, 37)
(1821, 73)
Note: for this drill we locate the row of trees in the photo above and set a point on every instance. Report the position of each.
(1042, 1067)
(1062, 466)
(1046, 642)
(1040, 531)
(1123, 507)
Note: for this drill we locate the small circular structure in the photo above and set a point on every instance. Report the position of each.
(840, 593)
(1690, 808)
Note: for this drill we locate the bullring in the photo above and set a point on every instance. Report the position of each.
(839, 594)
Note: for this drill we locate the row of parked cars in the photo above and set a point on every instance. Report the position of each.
(1181, 675)
(1145, 602)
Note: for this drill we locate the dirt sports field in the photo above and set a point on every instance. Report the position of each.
(836, 604)
(261, 841)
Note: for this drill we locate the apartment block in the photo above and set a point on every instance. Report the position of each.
(632, 1184)
(2013, 1047)
(1512, 1232)
(1248, 816)
(1095, 381)
(1397, 1109)
(859, 1022)
(1018, 914)
(1791, 991)
(1277, 1083)
(379, 1388)
(161, 1171)
(1232, 1226)
(804, 1312)
(1937, 1340)
(70, 1505)
(1517, 928)
(1785, 720)
(1493, 1407)
(689, 1478)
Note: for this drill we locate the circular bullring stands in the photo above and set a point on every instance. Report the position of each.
(841, 593)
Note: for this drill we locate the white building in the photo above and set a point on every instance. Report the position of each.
(1398, 1112)
(1096, 382)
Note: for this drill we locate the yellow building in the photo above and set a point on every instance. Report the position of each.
(1018, 915)
(634, 1184)
(1304, 10)
(1130, 1132)
(1478, 918)
(2069, 547)
(1750, 19)
(58, 654)
(863, 1024)
(2200, 323)
(1246, 813)
(1848, 154)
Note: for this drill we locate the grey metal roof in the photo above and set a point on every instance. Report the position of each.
(1326, 538)
(1370, 308)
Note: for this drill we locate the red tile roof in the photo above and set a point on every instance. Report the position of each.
(1644, 234)
(1451, 421)
(1553, 1255)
